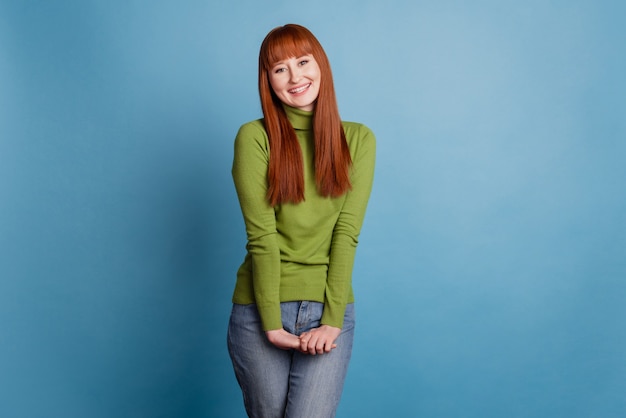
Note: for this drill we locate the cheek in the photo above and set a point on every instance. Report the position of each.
(318, 73)
(317, 91)
(276, 84)
(272, 84)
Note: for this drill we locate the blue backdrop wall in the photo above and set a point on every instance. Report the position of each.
(491, 272)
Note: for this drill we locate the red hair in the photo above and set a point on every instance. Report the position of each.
(332, 156)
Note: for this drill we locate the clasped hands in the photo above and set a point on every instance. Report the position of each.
(316, 341)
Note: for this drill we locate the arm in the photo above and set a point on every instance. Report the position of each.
(251, 159)
(348, 228)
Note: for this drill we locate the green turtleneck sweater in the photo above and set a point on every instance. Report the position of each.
(302, 251)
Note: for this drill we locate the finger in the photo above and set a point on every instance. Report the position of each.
(306, 340)
(312, 346)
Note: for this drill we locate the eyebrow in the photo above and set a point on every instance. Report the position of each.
(296, 58)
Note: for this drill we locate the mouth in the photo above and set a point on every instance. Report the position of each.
(300, 89)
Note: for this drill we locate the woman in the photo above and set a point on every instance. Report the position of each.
(303, 178)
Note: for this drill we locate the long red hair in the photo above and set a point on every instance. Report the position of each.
(332, 156)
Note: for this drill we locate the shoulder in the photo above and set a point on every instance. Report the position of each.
(252, 134)
(252, 129)
(358, 135)
(358, 131)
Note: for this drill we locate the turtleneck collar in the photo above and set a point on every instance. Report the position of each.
(300, 119)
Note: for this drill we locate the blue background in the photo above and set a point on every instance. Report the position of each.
(491, 272)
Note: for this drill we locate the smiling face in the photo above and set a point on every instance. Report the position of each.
(296, 81)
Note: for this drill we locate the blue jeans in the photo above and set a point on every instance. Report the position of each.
(286, 383)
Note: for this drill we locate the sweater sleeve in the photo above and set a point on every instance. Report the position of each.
(250, 163)
(348, 227)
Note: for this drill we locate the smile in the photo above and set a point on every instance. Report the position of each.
(300, 89)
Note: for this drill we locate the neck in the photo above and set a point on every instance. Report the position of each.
(300, 119)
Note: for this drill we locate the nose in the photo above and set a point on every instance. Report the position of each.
(295, 75)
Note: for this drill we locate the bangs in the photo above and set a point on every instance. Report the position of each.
(284, 43)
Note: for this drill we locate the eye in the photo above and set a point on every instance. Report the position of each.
(303, 62)
(280, 70)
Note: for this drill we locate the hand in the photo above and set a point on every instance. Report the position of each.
(319, 340)
(283, 340)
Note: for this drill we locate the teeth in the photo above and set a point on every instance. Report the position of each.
(299, 89)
